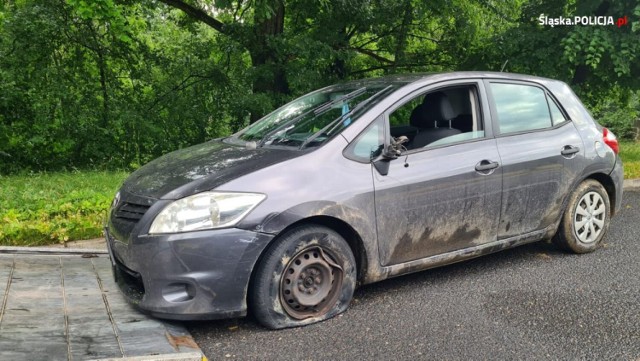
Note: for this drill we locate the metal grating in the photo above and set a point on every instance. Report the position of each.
(131, 211)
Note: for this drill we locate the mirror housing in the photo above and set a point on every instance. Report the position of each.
(381, 164)
(390, 152)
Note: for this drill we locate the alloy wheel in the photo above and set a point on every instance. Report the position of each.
(589, 217)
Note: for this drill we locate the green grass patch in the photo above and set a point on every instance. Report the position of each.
(47, 208)
(630, 154)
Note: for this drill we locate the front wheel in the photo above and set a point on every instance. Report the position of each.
(586, 219)
(307, 275)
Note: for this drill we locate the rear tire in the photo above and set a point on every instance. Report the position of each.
(306, 276)
(586, 219)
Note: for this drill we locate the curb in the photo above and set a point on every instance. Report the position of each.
(50, 250)
(191, 356)
(631, 184)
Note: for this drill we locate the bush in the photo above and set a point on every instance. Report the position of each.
(619, 116)
(43, 208)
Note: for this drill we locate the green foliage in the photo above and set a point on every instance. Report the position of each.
(112, 84)
(622, 117)
(612, 52)
(87, 84)
(593, 59)
(47, 208)
(630, 154)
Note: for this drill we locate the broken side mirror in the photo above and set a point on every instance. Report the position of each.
(388, 154)
(382, 165)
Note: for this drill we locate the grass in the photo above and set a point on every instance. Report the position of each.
(47, 208)
(630, 154)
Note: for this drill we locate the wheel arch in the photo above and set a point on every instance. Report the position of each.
(346, 231)
(609, 186)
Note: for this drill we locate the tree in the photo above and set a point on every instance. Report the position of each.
(601, 63)
(115, 83)
(591, 58)
(357, 36)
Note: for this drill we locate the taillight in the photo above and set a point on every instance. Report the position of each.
(610, 140)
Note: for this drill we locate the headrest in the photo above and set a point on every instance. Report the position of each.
(434, 108)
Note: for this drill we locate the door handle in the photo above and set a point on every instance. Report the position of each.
(569, 150)
(486, 165)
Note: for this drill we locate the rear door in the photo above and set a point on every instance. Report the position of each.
(536, 146)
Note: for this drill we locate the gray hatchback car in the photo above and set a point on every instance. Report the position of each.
(358, 182)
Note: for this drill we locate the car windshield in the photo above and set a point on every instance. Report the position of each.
(314, 118)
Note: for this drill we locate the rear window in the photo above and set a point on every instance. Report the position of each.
(520, 107)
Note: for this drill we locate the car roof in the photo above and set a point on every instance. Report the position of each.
(405, 79)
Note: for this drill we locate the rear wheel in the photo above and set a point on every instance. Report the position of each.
(307, 275)
(586, 219)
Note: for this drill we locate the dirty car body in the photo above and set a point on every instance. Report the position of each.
(356, 183)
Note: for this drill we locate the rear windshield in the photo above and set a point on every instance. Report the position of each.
(314, 118)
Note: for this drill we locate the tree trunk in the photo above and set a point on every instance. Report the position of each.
(105, 91)
(271, 77)
(402, 35)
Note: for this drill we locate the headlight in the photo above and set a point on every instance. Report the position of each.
(205, 210)
(116, 200)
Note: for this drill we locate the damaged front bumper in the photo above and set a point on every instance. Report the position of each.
(188, 276)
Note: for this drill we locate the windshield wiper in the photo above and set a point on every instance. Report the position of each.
(284, 125)
(331, 126)
(316, 111)
(323, 108)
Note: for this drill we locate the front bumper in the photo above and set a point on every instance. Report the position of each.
(188, 276)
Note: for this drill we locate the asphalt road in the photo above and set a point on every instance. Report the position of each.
(532, 302)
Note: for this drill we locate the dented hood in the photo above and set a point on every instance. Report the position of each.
(200, 168)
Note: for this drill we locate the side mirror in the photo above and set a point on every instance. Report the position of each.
(394, 150)
(388, 154)
(382, 165)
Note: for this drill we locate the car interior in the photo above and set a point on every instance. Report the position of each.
(443, 116)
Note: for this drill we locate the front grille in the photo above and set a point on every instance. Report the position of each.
(131, 211)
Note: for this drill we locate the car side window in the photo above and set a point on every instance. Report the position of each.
(368, 144)
(439, 117)
(520, 107)
(556, 114)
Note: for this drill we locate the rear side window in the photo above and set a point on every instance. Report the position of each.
(521, 107)
(556, 115)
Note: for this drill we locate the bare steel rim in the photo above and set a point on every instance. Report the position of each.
(311, 283)
(589, 218)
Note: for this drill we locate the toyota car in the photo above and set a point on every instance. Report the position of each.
(356, 183)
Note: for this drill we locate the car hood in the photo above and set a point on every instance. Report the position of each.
(200, 168)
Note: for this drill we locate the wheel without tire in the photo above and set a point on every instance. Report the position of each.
(586, 218)
(307, 275)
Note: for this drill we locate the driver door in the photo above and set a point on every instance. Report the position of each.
(441, 197)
